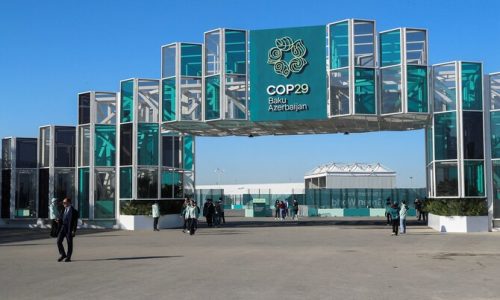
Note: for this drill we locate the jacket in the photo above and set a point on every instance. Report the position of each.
(192, 212)
(69, 221)
(394, 211)
(403, 211)
(53, 211)
(156, 210)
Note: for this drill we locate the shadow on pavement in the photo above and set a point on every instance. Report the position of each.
(130, 258)
(15, 235)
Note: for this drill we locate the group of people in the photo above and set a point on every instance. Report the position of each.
(190, 213)
(282, 210)
(64, 224)
(397, 215)
(214, 213)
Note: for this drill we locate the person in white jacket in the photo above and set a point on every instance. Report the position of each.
(403, 212)
(53, 215)
(156, 215)
(192, 212)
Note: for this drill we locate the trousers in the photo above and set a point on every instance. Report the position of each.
(69, 239)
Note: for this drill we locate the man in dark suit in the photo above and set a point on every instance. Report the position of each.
(68, 220)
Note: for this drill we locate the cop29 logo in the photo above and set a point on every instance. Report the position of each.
(276, 56)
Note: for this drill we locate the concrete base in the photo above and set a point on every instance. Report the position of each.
(146, 222)
(458, 223)
(330, 212)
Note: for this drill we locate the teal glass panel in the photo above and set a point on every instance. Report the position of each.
(445, 135)
(147, 144)
(364, 91)
(126, 183)
(417, 89)
(190, 60)
(391, 90)
(105, 145)
(168, 99)
(171, 185)
(472, 86)
(339, 45)
(472, 139)
(127, 101)
(104, 202)
(496, 189)
(83, 192)
(188, 152)
(390, 48)
(446, 179)
(147, 183)
(473, 178)
(236, 58)
(212, 98)
(428, 144)
(495, 134)
(495, 91)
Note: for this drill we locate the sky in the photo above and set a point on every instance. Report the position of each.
(52, 50)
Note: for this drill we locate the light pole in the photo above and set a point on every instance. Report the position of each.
(219, 174)
(411, 181)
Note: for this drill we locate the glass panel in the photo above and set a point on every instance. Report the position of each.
(473, 178)
(188, 152)
(235, 96)
(44, 147)
(147, 144)
(339, 45)
(168, 98)
(171, 184)
(472, 86)
(446, 179)
(83, 192)
(168, 61)
(495, 134)
(104, 203)
(417, 89)
(473, 135)
(495, 91)
(190, 60)
(177, 152)
(364, 44)
(6, 153)
(148, 99)
(428, 144)
(236, 58)
(43, 193)
(64, 147)
(339, 92)
(189, 189)
(105, 108)
(212, 95)
(391, 90)
(212, 53)
(390, 48)
(445, 135)
(496, 189)
(416, 52)
(167, 150)
(26, 156)
(84, 146)
(84, 108)
(105, 149)
(364, 91)
(125, 144)
(6, 184)
(127, 101)
(190, 99)
(64, 183)
(147, 183)
(25, 193)
(445, 87)
(126, 183)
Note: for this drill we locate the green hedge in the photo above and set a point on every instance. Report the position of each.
(456, 207)
(143, 207)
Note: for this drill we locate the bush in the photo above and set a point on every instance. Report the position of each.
(456, 207)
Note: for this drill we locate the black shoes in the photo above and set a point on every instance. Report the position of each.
(67, 259)
(61, 258)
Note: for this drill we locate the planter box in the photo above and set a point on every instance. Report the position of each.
(458, 223)
(146, 222)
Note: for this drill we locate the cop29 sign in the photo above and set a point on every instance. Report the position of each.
(288, 74)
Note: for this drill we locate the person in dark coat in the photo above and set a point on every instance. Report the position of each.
(208, 212)
(68, 220)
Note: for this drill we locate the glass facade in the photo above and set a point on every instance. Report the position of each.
(104, 201)
(364, 91)
(390, 48)
(391, 90)
(64, 183)
(364, 43)
(147, 183)
(168, 99)
(84, 108)
(446, 178)
(125, 182)
(26, 153)
(472, 86)
(495, 91)
(339, 45)
(445, 88)
(105, 145)
(64, 146)
(445, 136)
(147, 144)
(25, 194)
(212, 98)
(417, 89)
(495, 134)
(190, 102)
(127, 101)
(339, 92)
(191, 60)
(235, 51)
(83, 192)
(473, 135)
(212, 53)
(126, 144)
(84, 145)
(496, 188)
(168, 61)
(171, 184)
(474, 178)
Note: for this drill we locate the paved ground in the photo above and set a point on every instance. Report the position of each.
(257, 259)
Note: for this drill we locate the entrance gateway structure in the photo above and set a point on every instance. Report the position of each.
(137, 145)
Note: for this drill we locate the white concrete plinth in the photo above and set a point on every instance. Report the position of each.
(142, 222)
(458, 223)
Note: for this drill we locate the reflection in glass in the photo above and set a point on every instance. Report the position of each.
(212, 98)
(472, 86)
(84, 108)
(147, 183)
(473, 135)
(445, 135)
(83, 192)
(104, 202)
(25, 193)
(416, 52)
(168, 61)
(147, 144)
(64, 186)
(148, 99)
(26, 156)
(64, 144)
(84, 146)
(364, 43)
(126, 183)
(339, 45)
(390, 48)
(235, 97)
(391, 90)
(235, 56)
(127, 101)
(495, 134)
(364, 91)
(168, 99)
(44, 146)
(446, 179)
(105, 136)
(126, 144)
(212, 53)
(445, 88)
(417, 89)
(495, 91)
(496, 189)
(339, 92)
(473, 178)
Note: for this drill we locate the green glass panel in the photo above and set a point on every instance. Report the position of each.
(83, 192)
(417, 89)
(474, 178)
(495, 134)
(472, 87)
(147, 144)
(125, 183)
(235, 58)
(147, 183)
(428, 144)
(168, 99)
(171, 185)
(188, 152)
(364, 91)
(339, 45)
(445, 135)
(104, 191)
(127, 101)
(190, 60)
(391, 90)
(390, 48)
(446, 179)
(212, 98)
(105, 137)
(496, 189)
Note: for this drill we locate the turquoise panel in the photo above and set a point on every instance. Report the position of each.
(126, 183)
(474, 178)
(417, 89)
(83, 192)
(339, 45)
(127, 101)
(495, 134)
(390, 48)
(364, 91)
(188, 152)
(496, 189)
(168, 99)
(212, 97)
(235, 42)
(191, 60)
(147, 144)
(105, 145)
(472, 86)
(356, 212)
(288, 78)
(445, 135)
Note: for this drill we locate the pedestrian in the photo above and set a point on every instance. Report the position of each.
(403, 211)
(287, 212)
(217, 214)
(295, 209)
(277, 214)
(394, 212)
(53, 214)
(68, 221)
(208, 212)
(424, 210)
(388, 204)
(221, 201)
(156, 215)
(193, 213)
(282, 210)
(185, 205)
(418, 208)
